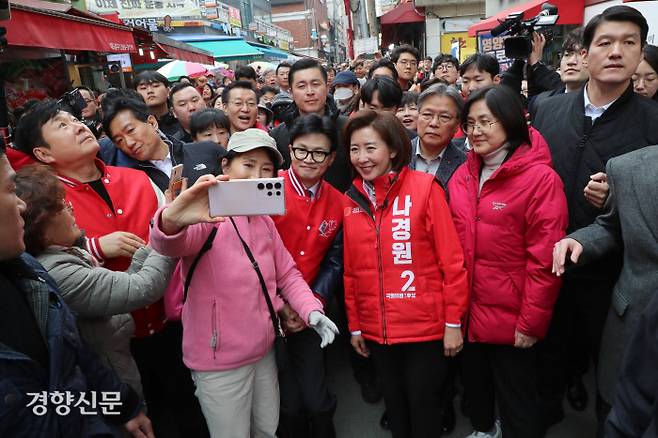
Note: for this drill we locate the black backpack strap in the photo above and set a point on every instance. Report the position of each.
(278, 331)
(204, 249)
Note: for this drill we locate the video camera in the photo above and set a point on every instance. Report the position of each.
(519, 45)
(73, 102)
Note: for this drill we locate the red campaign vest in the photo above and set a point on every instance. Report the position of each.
(394, 289)
(135, 203)
(309, 226)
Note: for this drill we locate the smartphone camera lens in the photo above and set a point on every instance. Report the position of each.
(278, 193)
(269, 193)
(260, 186)
(269, 186)
(277, 185)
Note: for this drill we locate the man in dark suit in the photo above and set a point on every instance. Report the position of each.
(629, 224)
(434, 150)
(635, 411)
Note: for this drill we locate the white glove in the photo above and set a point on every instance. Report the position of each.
(323, 326)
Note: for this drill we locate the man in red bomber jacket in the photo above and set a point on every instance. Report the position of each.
(311, 230)
(114, 206)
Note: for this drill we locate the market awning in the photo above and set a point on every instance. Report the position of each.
(183, 51)
(161, 46)
(228, 49)
(570, 12)
(185, 55)
(53, 29)
(402, 13)
(270, 51)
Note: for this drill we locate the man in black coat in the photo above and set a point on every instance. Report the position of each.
(584, 130)
(308, 85)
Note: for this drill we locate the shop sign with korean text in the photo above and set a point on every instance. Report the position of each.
(128, 9)
(495, 46)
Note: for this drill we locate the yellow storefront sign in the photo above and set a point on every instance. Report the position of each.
(459, 44)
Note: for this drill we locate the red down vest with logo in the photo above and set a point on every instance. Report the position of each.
(508, 236)
(404, 267)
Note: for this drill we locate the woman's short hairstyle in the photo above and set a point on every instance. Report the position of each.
(389, 129)
(207, 118)
(506, 106)
(314, 124)
(439, 90)
(43, 195)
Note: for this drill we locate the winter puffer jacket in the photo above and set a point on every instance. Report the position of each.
(102, 299)
(508, 233)
(404, 268)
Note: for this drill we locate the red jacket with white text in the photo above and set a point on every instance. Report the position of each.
(508, 233)
(135, 202)
(404, 267)
(309, 226)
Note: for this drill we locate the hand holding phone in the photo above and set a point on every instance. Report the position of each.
(176, 181)
(247, 197)
(191, 206)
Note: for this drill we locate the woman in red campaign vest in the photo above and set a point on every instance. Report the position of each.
(405, 281)
(509, 209)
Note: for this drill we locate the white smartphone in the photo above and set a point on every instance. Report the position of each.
(247, 197)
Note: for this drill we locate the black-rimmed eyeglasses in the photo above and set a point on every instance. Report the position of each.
(317, 156)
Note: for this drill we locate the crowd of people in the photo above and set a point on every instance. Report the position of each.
(482, 240)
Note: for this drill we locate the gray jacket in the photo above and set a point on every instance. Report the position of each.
(453, 157)
(102, 299)
(629, 224)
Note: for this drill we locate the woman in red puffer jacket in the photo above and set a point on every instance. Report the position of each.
(509, 207)
(405, 281)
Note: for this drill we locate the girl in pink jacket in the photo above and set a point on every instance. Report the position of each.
(227, 329)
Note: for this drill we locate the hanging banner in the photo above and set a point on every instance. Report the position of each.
(146, 8)
(495, 46)
(234, 17)
(222, 13)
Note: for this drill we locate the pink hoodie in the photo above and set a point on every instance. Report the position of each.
(226, 323)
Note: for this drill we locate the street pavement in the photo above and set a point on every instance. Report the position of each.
(356, 419)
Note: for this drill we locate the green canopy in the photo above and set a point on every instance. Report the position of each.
(228, 49)
(271, 52)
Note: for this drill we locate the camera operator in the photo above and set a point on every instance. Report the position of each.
(540, 77)
(90, 112)
(573, 70)
(82, 103)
